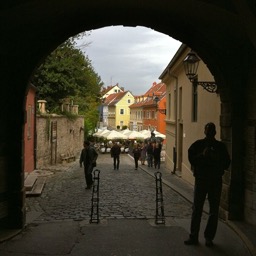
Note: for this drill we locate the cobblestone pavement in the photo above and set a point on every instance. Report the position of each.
(58, 220)
(126, 193)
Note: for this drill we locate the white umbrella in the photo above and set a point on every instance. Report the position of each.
(96, 134)
(146, 133)
(104, 133)
(158, 134)
(125, 131)
(114, 135)
(136, 135)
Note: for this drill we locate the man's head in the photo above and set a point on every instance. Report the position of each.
(86, 143)
(210, 130)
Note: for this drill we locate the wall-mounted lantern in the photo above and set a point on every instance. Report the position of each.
(191, 63)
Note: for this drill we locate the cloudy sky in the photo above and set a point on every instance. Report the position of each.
(132, 57)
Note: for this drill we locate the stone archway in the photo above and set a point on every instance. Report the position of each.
(222, 33)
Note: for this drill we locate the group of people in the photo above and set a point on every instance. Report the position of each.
(208, 158)
(148, 151)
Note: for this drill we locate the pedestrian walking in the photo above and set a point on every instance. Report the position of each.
(143, 153)
(136, 155)
(88, 158)
(115, 154)
(157, 155)
(150, 154)
(209, 158)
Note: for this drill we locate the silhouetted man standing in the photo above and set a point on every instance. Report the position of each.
(209, 158)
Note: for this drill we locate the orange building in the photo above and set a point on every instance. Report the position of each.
(154, 108)
(148, 111)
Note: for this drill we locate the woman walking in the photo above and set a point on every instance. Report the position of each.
(143, 153)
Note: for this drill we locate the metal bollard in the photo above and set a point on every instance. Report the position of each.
(95, 197)
(159, 218)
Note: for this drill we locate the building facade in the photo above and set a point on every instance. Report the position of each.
(136, 117)
(189, 108)
(118, 109)
(103, 108)
(153, 119)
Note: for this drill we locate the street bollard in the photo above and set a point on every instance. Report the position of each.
(95, 197)
(159, 218)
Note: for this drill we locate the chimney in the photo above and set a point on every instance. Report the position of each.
(75, 109)
(41, 106)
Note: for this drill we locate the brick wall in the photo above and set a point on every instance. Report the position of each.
(67, 138)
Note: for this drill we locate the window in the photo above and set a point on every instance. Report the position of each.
(121, 111)
(129, 101)
(153, 115)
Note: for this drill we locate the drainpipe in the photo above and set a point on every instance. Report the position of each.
(176, 123)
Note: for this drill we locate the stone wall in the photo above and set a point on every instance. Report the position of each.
(57, 135)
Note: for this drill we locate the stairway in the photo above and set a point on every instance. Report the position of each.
(34, 184)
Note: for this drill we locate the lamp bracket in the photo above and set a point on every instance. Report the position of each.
(161, 110)
(208, 86)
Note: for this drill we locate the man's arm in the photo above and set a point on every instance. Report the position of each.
(195, 156)
(95, 155)
(81, 158)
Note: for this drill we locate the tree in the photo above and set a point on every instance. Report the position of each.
(66, 73)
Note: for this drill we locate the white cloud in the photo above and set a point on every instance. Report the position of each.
(132, 57)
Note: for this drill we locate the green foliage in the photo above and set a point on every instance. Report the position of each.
(66, 73)
(91, 115)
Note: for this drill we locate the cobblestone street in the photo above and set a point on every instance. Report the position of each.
(126, 193)
(58, 220)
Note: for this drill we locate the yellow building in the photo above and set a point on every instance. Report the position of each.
(118, 109)
(103, 108)
(189, 108)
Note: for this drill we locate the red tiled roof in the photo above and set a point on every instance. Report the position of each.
(112, 99)
(118, 97)
(156, 90)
